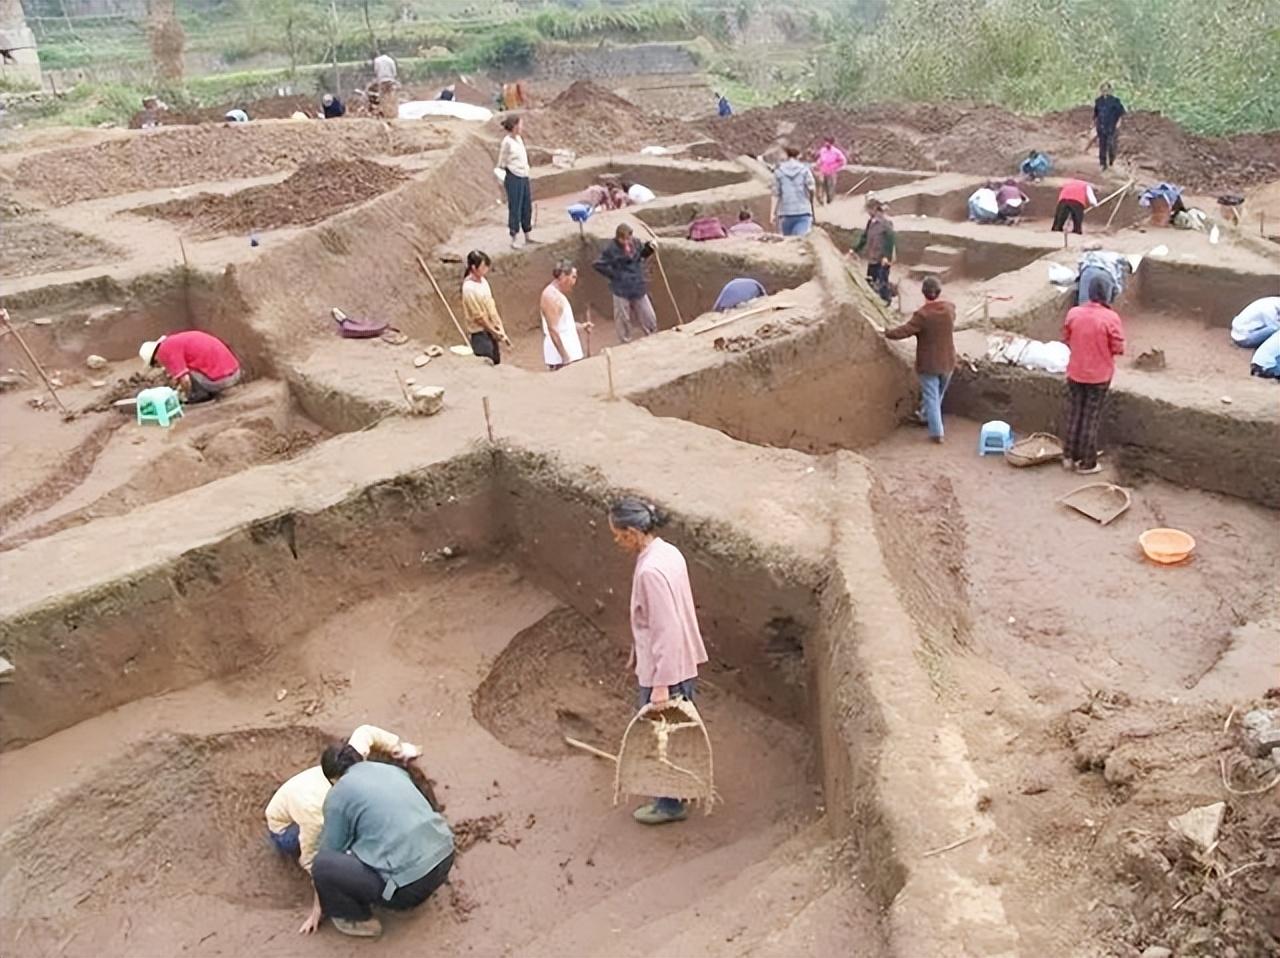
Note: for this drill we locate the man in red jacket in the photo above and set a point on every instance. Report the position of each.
(1071, 203)
(1096, 337)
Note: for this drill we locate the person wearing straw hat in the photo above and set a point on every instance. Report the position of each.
(201, 366)
(479, 311)
(667, 645)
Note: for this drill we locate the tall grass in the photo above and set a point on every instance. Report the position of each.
(1212, 66)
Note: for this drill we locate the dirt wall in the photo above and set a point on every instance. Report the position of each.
(1221, 451)
(1213, 294)
(229, 605)
(665, 179)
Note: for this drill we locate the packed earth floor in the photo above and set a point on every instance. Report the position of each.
(950, 715)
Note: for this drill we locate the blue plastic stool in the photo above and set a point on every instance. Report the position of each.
(996, 436)
(160, 405)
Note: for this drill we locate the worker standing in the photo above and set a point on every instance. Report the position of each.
(1096, 337)
(791, 207)
(667, 646)
(480, 312)
(561, 344)
(513, 162)
(1072, 199)
(878, 243)
(830, 161)
(384, 76)
(1107, 113)
(622, 264)
(933, 325)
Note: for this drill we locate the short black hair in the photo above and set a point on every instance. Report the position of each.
(337, 758)
(931, 287)
(1098, 289)
(624, 229)
(509, 122)
(793, 151)
(563, 267)
(744, 215)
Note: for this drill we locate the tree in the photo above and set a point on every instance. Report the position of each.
(299, 25)
(167, 39)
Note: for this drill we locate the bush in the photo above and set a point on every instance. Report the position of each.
(510, 46)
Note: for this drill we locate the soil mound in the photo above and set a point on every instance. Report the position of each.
(590, 119)
(152, 159)
(179, 815)
(766, 130)
(31, 244)
(311, 195)
(267, 108)
(555, 678)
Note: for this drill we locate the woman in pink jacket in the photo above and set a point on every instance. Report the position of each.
(667, 645)
(830, 161)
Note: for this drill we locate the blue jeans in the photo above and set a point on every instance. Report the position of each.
(685, 689)
(798, 224)
(1087, 276)
(286, 843)
(933, 386)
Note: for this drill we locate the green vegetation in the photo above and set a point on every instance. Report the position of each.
(1214, 67)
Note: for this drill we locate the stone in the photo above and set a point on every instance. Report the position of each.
(1260, 732)
(1119, 769)
(94, 361)
(1200, 825)
(421, 360)
(42, 321)
(98, 383)
(1158, 951)
(427, 400)
(6, 669)
(10, 382)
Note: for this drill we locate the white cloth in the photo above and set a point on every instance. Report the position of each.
(1259, 319)
(417, 109)
(568, 331)
(640, 194)
(984, 201)
(512, 156)
(384, 68)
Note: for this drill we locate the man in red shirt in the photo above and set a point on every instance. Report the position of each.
(1072, 198)
(200, 365)
(1096, 337)
(933, 325)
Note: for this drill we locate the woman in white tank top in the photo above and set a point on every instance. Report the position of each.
(560, 343)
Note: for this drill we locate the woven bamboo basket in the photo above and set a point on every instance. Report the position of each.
(666, 752)
(1034, 449)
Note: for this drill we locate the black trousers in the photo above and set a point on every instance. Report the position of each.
(484, 344)
(347, 886)
(1069, 209)
(878, 278)
(519, 204)
(1083, 415)
(1106, 148)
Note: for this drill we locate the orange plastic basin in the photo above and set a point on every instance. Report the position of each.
(1167, 546)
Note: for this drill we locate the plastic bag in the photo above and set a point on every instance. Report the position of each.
(1060, 275)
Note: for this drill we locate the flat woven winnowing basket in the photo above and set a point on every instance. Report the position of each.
(666, 752)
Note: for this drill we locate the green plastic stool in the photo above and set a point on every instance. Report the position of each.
(160, 405)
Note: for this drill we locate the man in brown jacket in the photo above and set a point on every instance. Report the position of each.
(933, 325)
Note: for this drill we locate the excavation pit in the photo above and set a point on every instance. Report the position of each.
(474, 658)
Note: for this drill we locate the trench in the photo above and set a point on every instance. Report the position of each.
(485, 639)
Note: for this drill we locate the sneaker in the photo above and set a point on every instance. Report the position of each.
(1068, 464)
(515, 242)
(651, 814)
(1092, 471)
(937, 439)
(369, 928)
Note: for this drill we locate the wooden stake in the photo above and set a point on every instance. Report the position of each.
(853, 189)
(1115, 209)
(183, 246)
(663, 273)
(608, 361)
(1066, 236)
(986, 309)
(1262, 224)
(4, 318)
(598, 753)
(488, 418)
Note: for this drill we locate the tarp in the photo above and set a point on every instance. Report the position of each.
(418, 109)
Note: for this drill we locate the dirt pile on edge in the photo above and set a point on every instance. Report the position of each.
(590, 119)
(764, 131)
(151, 159)
(267, 108)
(31, 244)
(311, 195)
